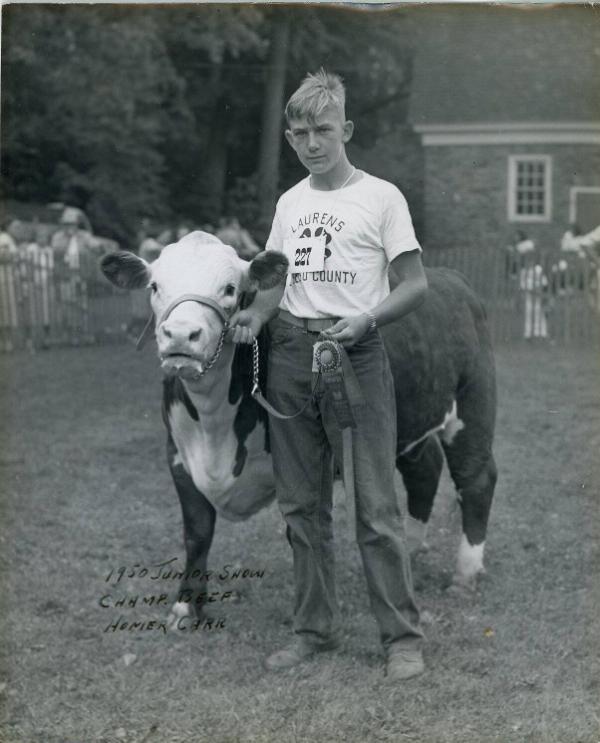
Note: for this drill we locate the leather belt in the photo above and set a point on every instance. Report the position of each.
(313, 325)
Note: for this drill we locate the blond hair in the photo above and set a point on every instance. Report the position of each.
(315, 94)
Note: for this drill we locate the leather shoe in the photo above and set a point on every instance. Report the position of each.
(297, 652)
(403, 663)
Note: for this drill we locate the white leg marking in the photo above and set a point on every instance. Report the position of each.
(452, 425)
(415, 532)
(178, 610)
(447, 429)
(177, 460)
(470, 561)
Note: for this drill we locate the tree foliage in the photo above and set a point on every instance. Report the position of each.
(157, 111)
(89, 98)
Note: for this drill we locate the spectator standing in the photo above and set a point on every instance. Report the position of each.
(590, 245)
(569, 241)
(523, 244)
(69, 246)
(232, 233)
(534, 285)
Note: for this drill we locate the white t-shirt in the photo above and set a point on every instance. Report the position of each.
(366, 225)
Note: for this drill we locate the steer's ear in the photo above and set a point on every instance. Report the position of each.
(126, 270)
(268, 269)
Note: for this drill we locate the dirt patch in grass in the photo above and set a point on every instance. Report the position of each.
(85, 490)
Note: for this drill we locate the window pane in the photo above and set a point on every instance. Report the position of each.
(530, 187)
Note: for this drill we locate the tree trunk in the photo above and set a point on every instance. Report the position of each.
(214, 172)
(215, 166)
(270, 142)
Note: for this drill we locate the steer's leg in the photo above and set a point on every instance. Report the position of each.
(420, 470)
(198, 529)
(473, 470)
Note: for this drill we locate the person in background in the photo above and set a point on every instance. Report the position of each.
(534, 285)
(232, 233)
(72, 261)
(590, 245)
(173, 234)
(149, 247)
(568, 242)
(521, 245)
(69, 242)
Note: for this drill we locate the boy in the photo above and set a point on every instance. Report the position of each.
(341, 229)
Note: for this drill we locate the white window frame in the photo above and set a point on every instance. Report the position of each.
(573, 193)
(513, 163)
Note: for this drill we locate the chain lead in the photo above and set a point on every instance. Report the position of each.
(218, 350)
(255, 385)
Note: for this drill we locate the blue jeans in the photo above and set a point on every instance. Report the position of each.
(303, 450)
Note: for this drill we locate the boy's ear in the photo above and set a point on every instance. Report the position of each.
(290, 137)
(348, 131)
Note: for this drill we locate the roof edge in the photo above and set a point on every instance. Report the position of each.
(490, 133)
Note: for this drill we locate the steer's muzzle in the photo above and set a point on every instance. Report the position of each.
(186, 367)
(189, 335)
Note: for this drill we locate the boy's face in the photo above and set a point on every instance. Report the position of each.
(319, 143)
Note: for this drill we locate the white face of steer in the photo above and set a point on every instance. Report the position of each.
(188, 337)
(201, 265)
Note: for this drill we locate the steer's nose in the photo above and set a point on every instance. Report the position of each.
(180, 333)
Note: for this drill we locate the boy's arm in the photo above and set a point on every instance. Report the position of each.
(247, 323)
(267, 275)
(407, 268)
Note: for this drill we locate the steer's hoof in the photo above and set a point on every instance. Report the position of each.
(178, 611)
(415, 532)
(465, 586)
(417, 548)
(460, 590)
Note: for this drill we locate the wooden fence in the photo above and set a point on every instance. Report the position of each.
(546, 296)
(45, 303)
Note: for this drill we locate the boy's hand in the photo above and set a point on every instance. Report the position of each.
(348, 330)
(245, 325)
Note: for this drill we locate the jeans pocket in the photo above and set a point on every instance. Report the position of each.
(280, 332)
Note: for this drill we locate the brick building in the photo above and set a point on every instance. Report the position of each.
(506, 103)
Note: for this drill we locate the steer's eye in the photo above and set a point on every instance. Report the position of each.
(153, 286)
(230, 290)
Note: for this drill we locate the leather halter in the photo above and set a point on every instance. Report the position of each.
(200, 298)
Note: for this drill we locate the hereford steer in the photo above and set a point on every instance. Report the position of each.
(217, 441)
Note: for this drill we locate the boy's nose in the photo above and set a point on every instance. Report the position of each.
(312, 141)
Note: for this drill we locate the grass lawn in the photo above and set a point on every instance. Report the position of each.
(85, 490)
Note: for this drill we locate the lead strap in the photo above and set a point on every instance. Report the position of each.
(342, 409)
(348, 463)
